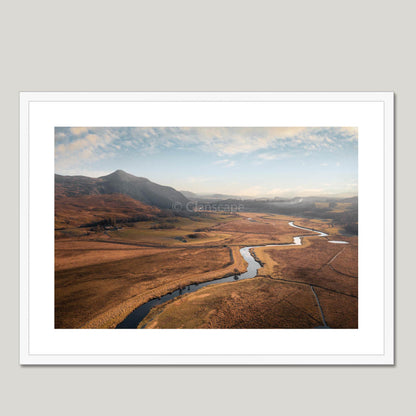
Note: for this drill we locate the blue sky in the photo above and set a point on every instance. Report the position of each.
(247, 161)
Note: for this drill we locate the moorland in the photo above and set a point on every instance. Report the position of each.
(121, 241)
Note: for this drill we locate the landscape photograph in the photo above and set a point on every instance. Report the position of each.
(206, 227)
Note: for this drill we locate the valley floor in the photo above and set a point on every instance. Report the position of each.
(100, 277)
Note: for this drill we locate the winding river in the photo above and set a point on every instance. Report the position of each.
(134, 318)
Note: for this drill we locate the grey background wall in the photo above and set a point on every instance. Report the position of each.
(207, 46)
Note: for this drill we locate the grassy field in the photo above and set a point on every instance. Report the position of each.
(103, 273)
(314, 264)
(253, 303)
(280, 297)
(102, 294)
(77, 253)
(182, 232)
(244, 229)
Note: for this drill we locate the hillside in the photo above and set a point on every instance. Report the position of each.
(82, 210)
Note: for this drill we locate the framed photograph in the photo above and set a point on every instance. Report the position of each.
(207, 228)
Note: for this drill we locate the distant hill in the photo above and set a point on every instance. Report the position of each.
(287, 200)
(352, 200)
(120, 182)
(189, 195)
(194, 196)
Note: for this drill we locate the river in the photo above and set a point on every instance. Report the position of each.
(134, 318)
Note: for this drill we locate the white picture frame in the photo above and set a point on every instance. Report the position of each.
(372, 343)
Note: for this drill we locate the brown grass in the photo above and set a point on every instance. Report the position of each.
(102, 276)
(260, 231)
(311, 264)
(340, 311)
(253, 303)
(347, 262)
(84, 209)
(101, 295)
(77, 253)
(281, 299)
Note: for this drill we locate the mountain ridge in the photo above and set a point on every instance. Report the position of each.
(120, 182)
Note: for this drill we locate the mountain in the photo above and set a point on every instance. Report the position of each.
(120, 182)
(189, 194)
(193, 196)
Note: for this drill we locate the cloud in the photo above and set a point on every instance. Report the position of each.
(226, 141)
(229, 141)
(86, 145)
(76, 131)
(77, 147)
(274, 154)
(268, 156)
(225, 163)
(223, 141)
(76, 144)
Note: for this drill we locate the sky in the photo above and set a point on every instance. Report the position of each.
(244, 161)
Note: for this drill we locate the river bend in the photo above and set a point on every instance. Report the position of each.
(134, 318)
